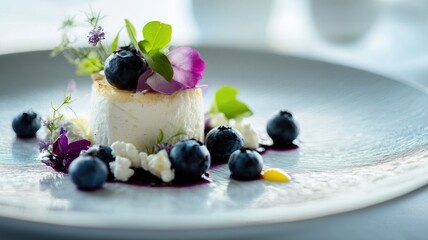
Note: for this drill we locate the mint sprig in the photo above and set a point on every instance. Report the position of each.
(157, 36)
(225, 101)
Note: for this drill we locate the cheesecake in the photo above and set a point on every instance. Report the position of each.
(139, 118)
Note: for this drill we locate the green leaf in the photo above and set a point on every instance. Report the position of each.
(144, 46)
(225, 101)
(159, 62)
(131, 33)
(113, 45)
(160, 138)
(90, 64)
(177, 134)
(157, 34)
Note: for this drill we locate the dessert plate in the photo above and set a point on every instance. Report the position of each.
(363, 141)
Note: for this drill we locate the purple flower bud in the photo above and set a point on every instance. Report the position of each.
(162, 146)
(63, 131)
(46, 123)
(96, 35)
(44, 145)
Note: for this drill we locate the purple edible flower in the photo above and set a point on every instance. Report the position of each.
(46, 123)
(64, 152)
(162, 146)
(63, 131)
(96, 35)
(44, 145)
(188, 69)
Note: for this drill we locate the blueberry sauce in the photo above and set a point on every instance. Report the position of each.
(263, 149)
(218, 162)
(246, 179)
(143, 178)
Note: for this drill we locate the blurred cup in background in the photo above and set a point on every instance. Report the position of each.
(237, 22)
(344, 21)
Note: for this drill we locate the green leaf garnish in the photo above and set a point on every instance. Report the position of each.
(113, 46)
(225, 101)
(157, 34)
(144, 45)
(177, 134)
(131, 33)
(160, 138)
(159, 62)
(89, 65)
(52, 123)
(161, 142)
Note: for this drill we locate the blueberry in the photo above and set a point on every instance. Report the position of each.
(223, 141)
(26, 124)
(123, 68)
(282, 128)
(88, 173)
(104, 153)
(245, 164)
(190, 159)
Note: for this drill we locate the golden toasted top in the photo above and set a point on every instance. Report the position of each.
(102, 87)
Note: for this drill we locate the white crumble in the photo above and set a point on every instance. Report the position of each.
(249, 134)
(144, 161)
(127, 150)
(121, 168)
(160, 166)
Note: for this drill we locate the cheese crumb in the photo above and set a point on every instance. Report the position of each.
(127, 157)
(144, 161)
(127, 150)
(249, 134)
(159, 165)
(121, 168)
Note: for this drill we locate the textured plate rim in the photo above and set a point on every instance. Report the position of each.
(408, 182)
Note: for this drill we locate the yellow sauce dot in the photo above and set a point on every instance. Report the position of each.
(275, 175)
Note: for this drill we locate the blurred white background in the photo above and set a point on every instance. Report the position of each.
(385, 36)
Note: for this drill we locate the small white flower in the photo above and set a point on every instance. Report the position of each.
(249, 134)
(160, 166)
(127, 150)
(121, 168)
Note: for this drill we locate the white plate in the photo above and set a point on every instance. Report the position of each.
(363, 140)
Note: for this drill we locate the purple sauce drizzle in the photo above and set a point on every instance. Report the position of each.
(263, 149)
(143, 178)
(246, 179)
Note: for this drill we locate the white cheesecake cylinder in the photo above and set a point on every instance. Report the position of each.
(138, 118)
